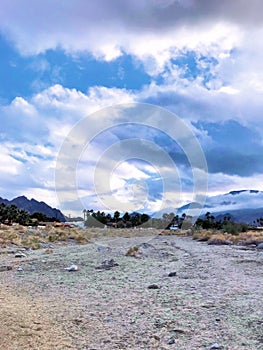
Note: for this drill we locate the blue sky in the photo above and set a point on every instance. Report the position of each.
(62, 63)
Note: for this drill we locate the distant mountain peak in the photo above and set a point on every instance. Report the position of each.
(236, 192)
(241, 191)
(32, 206)
(21, 197)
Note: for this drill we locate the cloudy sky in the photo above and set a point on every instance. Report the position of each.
(64, 64)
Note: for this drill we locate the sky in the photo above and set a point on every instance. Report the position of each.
(116, 105)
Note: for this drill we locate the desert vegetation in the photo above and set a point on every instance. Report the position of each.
(18, 228)
(12, 214)
(36, 238)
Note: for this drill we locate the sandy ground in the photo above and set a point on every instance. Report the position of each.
(213, 300)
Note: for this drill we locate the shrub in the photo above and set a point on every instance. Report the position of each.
(220, 239)
(133, 251)
(203, 235)
(232, 228)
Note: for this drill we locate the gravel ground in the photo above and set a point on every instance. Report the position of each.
(212, 299)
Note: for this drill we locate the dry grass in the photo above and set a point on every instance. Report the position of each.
(202, 235)
(38, 237)
(251, 237)
(216, 237)
(35, 238)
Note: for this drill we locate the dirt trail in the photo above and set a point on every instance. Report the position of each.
(214, 297)
(27, 324)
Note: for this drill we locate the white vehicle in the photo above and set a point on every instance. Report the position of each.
(174, 227)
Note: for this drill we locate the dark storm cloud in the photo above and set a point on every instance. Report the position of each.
(73, 24)
(234, 149)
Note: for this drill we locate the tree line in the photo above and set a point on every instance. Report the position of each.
(127, 220)
(226, 224)
(12, 214)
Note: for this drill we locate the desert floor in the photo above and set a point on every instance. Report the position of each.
(200, 296)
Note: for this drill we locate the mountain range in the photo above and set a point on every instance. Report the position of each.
(242, 206)
(33, 206)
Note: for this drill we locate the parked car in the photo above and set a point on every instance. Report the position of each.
(174, 227)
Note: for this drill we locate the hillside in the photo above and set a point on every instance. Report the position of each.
(33, 206)
(242, 206)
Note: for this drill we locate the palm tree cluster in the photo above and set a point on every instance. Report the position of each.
(10, 214)
(127, 220)
(226, 224)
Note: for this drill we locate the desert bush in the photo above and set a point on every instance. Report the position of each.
(202, 235)
(51, 238)
(220, 239)
(232, 228)
(133, 251)
(235, 228)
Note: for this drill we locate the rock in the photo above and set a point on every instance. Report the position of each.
(215, 346)
(72, 268)
(19, 269)
(153, 286)
(146, 245)
(172, 274)
(107, 264)
(178, 331)
(102, 248)
(5, 268)
(171, 341)
(260, 246)
(20, 255)
(49, 251)
(156, 337)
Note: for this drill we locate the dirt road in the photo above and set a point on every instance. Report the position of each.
(175, 293)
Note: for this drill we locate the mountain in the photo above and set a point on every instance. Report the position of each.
(242, 206)
(33, 206)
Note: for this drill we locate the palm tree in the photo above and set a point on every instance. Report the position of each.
(116, 215)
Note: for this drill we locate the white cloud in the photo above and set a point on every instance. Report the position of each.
(58, 109)
(33, 130)
(228, 34)
(73, 25)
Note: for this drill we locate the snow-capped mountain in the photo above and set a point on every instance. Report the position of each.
(234, 200)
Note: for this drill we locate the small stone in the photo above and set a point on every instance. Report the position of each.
(153, 286)
(179, 331)
(19, 269)
(49, 251)
(5, 268)
(107, 264)
(72, 268)
(171, 341)
(172, 274)
(102, 248)
(20, 255)
(260, 246)
(145, 245)
(215, 346)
